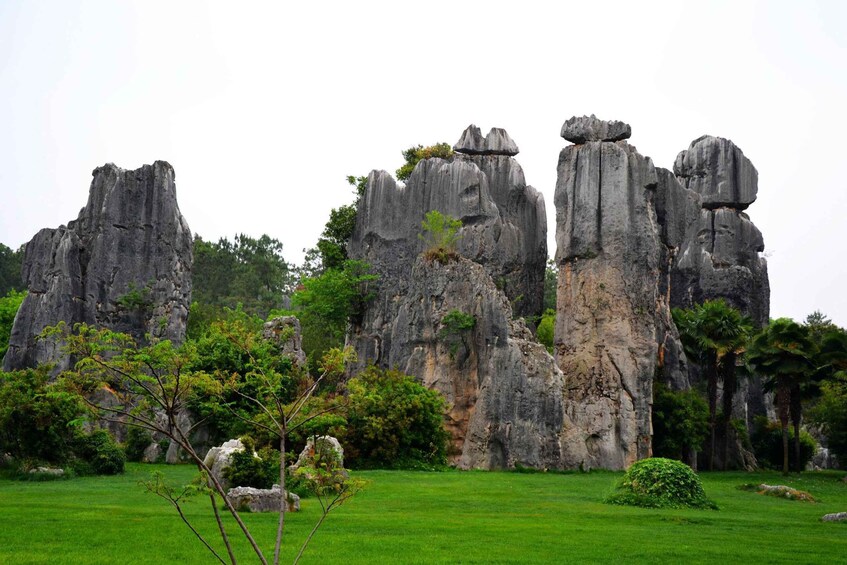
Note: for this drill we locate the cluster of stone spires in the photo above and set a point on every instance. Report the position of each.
(632, 241)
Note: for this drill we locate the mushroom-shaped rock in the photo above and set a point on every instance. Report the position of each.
(498, 142)
(718, 171)
(589, 128)
(471, 142)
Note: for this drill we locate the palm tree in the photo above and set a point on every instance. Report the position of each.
(783, 352)
(714, 334)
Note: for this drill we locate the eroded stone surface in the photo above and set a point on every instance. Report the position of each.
(497, 142)
(582, 129)
(262, 499)
(123, 264)
(717, 170)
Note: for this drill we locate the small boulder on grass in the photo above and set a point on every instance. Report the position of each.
(660, 483)
(835, 517)
(781, 491)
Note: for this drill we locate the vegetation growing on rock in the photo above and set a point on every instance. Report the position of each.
(660, 483)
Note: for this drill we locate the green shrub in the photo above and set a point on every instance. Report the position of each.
(767, 445)
(544, 333)
(660, 483)
(680, 421)
(9, 306)
(441, 234)
(99, 450)
(413, 155)
(394, 422)
(248, 470)
(137, 440)
(38, 420)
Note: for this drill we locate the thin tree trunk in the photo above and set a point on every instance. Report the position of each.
(796, 420)
(713, 409)
(222, 529)
(782, 400)
(284, 503)
(729, 384)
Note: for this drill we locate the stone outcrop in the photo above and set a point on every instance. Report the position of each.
(588, 128)
(124, 264)
(218, 459)
(285, 333)
(504, 230)
(262, 499)
(611, 317)
(503, 389)
(717, 247)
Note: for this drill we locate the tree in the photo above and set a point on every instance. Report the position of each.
(441, 234)
(713, 335)
(413, 155)
(783, 352)
(10, 269)
(831, 411)
(680, 423)
(818, 325)
(551, 280)
(326, 303)
(251, 272)
(9, 306)
(151, 385)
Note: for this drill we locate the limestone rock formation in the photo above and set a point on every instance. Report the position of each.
(589, 128)
(504, 230)
(262, 499)
(497, 142)
(218, 459)
(717, 170)
(124, 264)
(503, 389)
(611, 316)
(284, 331)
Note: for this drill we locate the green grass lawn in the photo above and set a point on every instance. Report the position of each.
(449, 517)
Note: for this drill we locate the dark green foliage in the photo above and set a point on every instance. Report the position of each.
(9, 306)
(38, 420)
(247, 271)
(767, 444)
(393, 422)
(136, 299)
(10, 270)
(360, 184)
(714, 334)
(249, 470)
(418, 153)
(440, 233)
(783, 352)
(137, 440)
(101, 452)
(680, 422)
(830, 412)
(332, 244)
(326, 303)
(454, 327)
(660, 483)
(545, 329)
(233, 352)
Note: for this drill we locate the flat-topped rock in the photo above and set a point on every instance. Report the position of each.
(582, 129)
(717, 170)
(497, 142)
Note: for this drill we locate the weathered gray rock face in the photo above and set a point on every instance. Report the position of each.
(717, 170)
(124, 263)
(497, 142)
(262, 499)
(713, 250)
(588, 128)
(284, 331)
(218, 459)
(611, 317)
(503, 389)
(504, 230)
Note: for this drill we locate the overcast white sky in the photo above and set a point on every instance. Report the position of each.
(264, 108)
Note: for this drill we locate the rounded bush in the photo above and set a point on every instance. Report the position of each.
(101, 452)
(660, 483)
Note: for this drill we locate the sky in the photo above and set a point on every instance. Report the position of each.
(263, 108)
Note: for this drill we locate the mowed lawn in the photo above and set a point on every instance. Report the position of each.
(447, 517)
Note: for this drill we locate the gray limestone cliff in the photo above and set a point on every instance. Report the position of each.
(504, 391)
(503, 229)
(124, 263)
(613, 326)
(718, 247)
